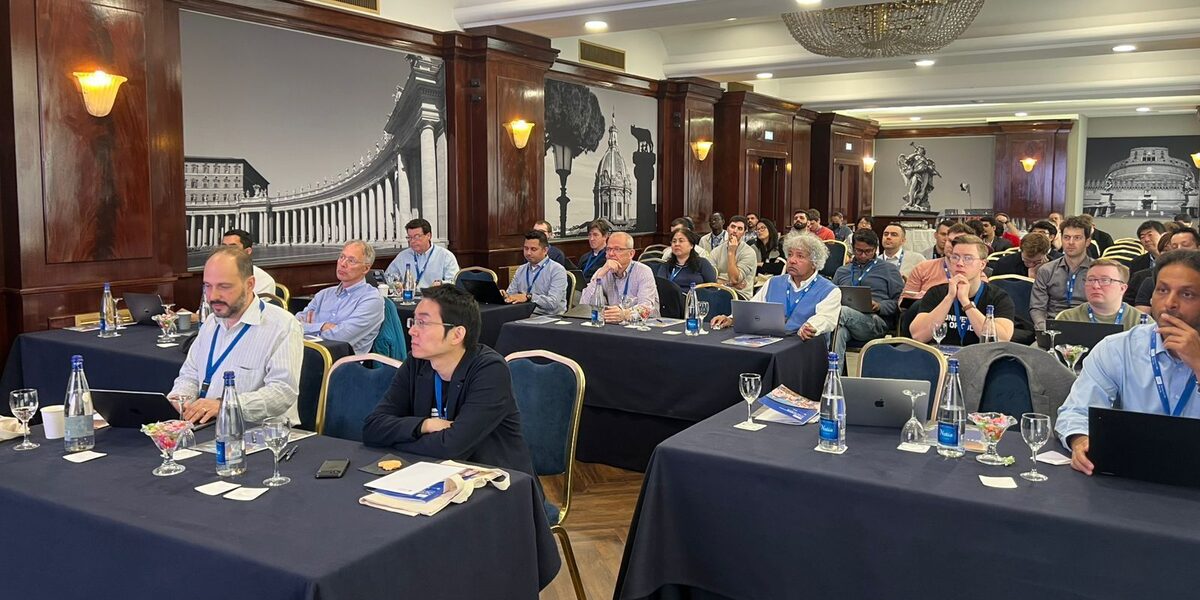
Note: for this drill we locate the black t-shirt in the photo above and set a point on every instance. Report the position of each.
(992, 295)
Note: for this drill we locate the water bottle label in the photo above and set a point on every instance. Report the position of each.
(693, 324)
(78, 427)
(220, 454)
(829, 430)
(408, 295)
(948, 434)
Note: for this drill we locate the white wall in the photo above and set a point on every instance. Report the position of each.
(959, 160)
(436, 15)
(645, 53)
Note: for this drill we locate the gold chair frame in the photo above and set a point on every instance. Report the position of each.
(322, 404)
(495, 277)
(943, 363)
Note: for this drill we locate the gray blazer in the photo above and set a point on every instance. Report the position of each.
(1049, 380)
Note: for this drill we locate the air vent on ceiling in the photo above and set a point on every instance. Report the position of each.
(371, 6)
(592, 53)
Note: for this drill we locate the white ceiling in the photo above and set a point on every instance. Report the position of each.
(1044, 57)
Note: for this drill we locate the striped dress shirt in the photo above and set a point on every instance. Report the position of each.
(355, 311)
(549, 286)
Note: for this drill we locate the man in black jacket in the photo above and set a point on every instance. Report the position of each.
(453, 398)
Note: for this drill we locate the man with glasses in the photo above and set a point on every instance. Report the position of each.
(351, 311)
(1104, 286)
(453, 398)
(1181, 239)
(622, 278)
(1057, 285)
(430, 264)
(1034, 250)
(735, 260)
(934, 271)
(540, 280)
(962, 303)
(869, 270)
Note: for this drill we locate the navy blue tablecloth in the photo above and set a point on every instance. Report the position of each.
(726, 513)
(110, 529)
(643, 387)
(492, 318)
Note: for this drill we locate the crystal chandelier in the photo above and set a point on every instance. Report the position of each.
(899, 28)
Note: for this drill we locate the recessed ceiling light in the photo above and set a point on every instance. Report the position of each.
(731, 19)
(808, 2)
(914, 118)
(596, 26)
(925, 62)
(764, 75)
(1124, 48)
(1143, 109)
(1021, 114)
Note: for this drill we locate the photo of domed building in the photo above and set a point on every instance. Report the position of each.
(1150, 181)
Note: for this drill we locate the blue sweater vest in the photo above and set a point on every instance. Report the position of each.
(777, 290)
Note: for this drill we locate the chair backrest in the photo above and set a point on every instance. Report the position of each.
(572, 295)
(670, 298)
(353, 390)
(1018, 287)
(576, 279)
(905, 358)
(314, 371)
(719, 298)
(283, 292)
(273, 299)
(477, 274)
(1006, 389)
(653, 251)
(651, 260)
(549, 393)
(391, 341)
(837, 257)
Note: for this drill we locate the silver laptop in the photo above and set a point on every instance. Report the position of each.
(759, 318)
(857, 297)
(875, 402)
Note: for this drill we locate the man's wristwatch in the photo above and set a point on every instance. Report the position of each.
(968, 306)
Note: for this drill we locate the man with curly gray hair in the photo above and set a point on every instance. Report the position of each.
(811, 303)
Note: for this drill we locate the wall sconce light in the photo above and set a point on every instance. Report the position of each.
(701, 149)
(1196, 159)
(868, 163)
(519, 130)
(99, 91)
(1028, 163)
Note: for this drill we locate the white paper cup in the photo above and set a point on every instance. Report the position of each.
(383, 290)
(52, 421)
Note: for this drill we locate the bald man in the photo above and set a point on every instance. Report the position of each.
(621, 277)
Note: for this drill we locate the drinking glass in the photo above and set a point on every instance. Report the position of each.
(750, 384)
(166, 435)
(627, 303)
(1035, 428)
(164, 323)
(914, 431)
(939, 332)
(1052, 333)
(1071, 354)
(182, 401)
(24, 404)
(992, 426)
(640, 314)
(275, 433)
(702, 311)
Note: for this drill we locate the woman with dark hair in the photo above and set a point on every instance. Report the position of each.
(685, 266)
(864, 223)
(766, 242)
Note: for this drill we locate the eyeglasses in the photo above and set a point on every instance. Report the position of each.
(615, 249)
(423, 324)
(1101, 281)
(350, 260)
(864, 251)
(413, 238)
(965, 259)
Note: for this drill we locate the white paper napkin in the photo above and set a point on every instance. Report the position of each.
(246, 494)
(217, 488)
(1054, 458)
(86, 455)
(672, 332)
(916, 448)
(185, 454)
(1004, 483)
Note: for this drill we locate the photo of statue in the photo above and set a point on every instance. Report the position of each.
(918, 171)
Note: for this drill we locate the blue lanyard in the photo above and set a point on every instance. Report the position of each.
(1071, 286)
(211, 368)
(946, 268)
(628, 278)
(715, 240)
(1162, 388)
(964, 322)
(864, 273)
(899, 258)
(528, 283)
(437, 395)
(675, 271)
(792, 305)
(1120, 314)
(417, 263)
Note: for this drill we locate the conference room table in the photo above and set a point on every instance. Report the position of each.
(108, 528)
(726, 513)
(492, 319)
(645, 386)
(42, 360)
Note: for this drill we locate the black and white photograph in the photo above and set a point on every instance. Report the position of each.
(307, 142)
(1141, 177)
(601, 160)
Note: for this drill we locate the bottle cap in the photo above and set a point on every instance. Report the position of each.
(77, 360)
(228, 377)
(833, 357)
(991, 309)
(953, 364)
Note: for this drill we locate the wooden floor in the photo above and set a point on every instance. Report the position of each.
(601, 507)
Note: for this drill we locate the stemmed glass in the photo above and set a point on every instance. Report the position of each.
(275, 432)
(166, 322)
(992, 426)
(750, 384)
(1035, 428)
(1052, 333)
(627, 303)
(1071, 353)
(640, 314)
(939, 332)
(166, 436)
(914, 431)
(24, 404)
(702, 312)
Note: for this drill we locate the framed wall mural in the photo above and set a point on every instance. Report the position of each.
(307, 142)
(600, 158)
(1141, 177)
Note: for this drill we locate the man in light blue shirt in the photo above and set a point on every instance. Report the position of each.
(431, 265)
(351, 311)
(540, 280)
(1122, 369)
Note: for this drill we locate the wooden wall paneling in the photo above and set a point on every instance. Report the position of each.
(801, 163)
(755, 126)
(1035, 194)
(839, 143)
(686, 115)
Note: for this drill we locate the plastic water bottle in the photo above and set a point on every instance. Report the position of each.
(989, 325)
(231, 431)
(78, 425)
(108, 313)
(833, 410)
(410, 284)
(693, 313)
(951, 416)
(205, 307)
